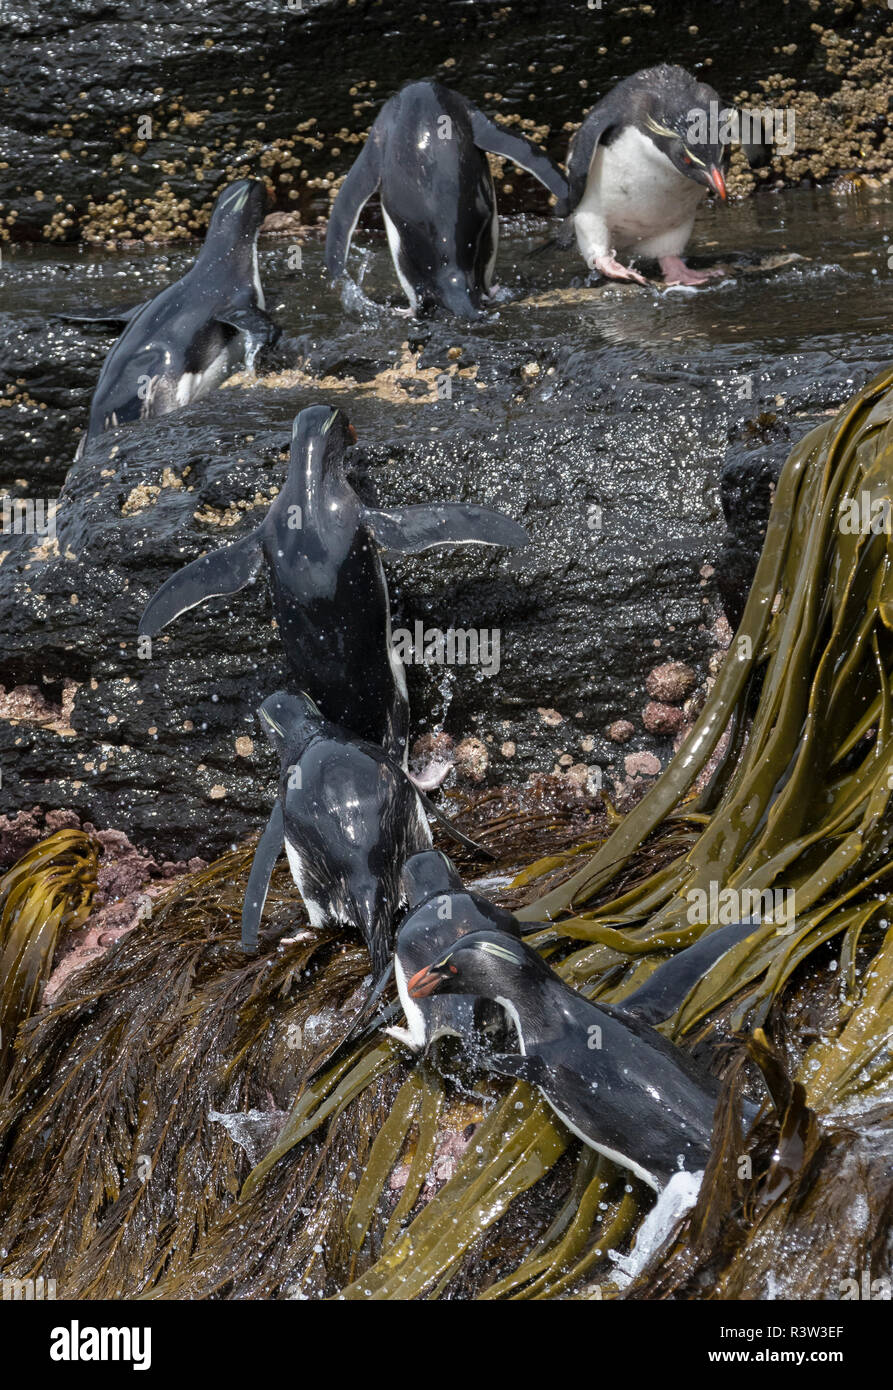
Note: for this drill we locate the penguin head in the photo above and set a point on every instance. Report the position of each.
(320, 437)
(453, 292)
(237, 216)
(442, 911)
(288, 718)
(427, 874)
(686, 119)
(490, 964)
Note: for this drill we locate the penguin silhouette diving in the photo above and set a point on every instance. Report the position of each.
(425, 154)
(608, 1074)
(322, 547)
(193, 335)
(638, 169)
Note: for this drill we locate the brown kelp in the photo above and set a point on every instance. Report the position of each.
(141, 1191)
(47, 892)
(794, 823)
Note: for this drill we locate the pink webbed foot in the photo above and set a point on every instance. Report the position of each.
(676, 272)
(429, 778)
(613, 270)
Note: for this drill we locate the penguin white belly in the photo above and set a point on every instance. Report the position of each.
(414, 1034)
(314, 910)
(191, 385)
(494, 235)
(396, 255)
(635, 198)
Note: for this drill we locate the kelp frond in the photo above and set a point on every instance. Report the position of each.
(49, 891)
(137, 1190)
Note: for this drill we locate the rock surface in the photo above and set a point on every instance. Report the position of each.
(616, 423)
(121, 117)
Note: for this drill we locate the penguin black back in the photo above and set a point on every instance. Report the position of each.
(425, 156)
(614, 1080)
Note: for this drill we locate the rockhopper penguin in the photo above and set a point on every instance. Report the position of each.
(638, 168)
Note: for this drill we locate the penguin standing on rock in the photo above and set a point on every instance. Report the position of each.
(638, 169)
(425, 154)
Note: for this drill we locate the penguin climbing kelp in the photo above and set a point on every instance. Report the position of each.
(440, 909)
(611, 1077)
(349, 818)
(425, 154)
(322, 547)
(193, 335)
(639, 168)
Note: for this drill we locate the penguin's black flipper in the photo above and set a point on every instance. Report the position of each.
(354, 193)
(224, 571)
(666, 988)
(583, 147)
(529, 1069)
(408, 530)
(111, 316)
(450, 828)
(257, 326)
(521, 151)
(269, 847)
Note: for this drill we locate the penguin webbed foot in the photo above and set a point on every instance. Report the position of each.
(676, 272)
(405, 1038)
(611, 269)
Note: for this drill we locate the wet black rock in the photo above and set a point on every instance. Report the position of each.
(608, 453)
(142, 108)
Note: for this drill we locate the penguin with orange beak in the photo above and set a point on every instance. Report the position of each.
(441, 910)
(606, 1071)
(639, 168)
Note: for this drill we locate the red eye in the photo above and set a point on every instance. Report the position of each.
(455, 969)
(687, 159)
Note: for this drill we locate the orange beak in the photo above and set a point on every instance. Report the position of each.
(352, 432)
(422, 983)
(718, 183)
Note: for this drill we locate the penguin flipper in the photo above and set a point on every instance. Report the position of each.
(356, 190)
(111, 316)
(408, 530)
(582, 151)
(667, 986)
(451, 829)
(255, 323)
(514, 1064)
(223, 571)
(269, 847)
(496, 139)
